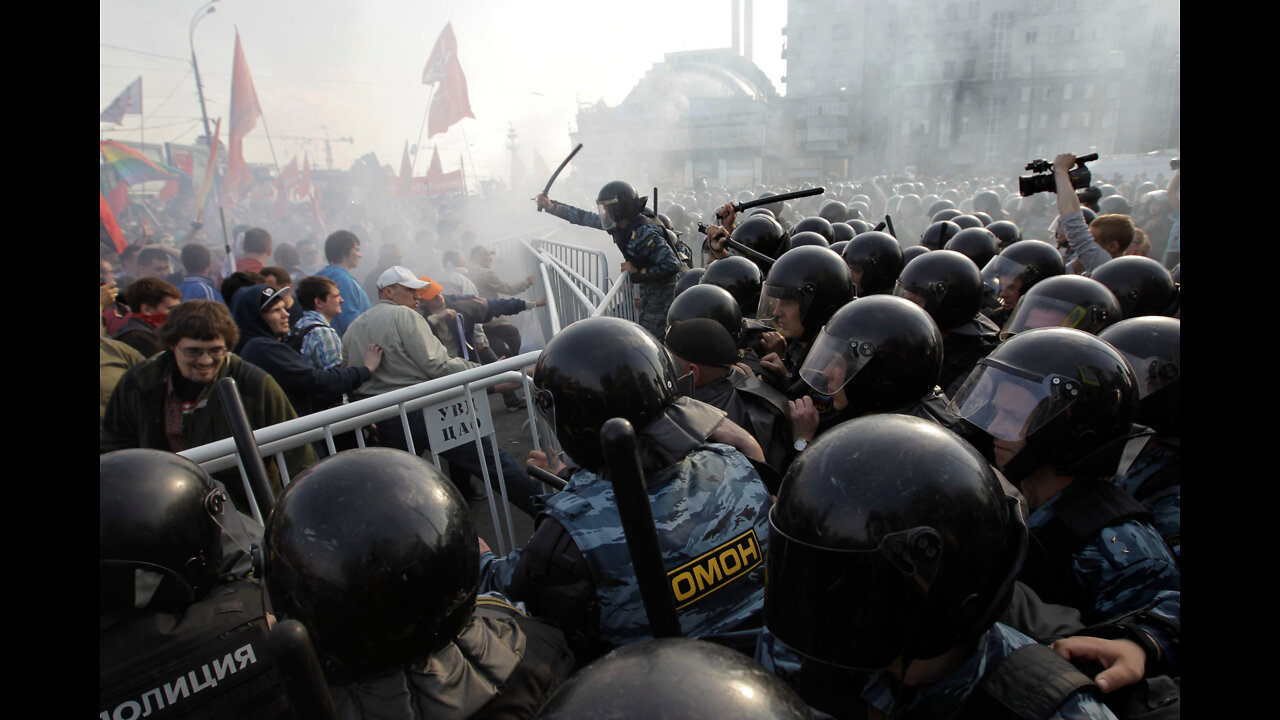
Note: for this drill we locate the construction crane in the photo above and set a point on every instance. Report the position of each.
(328, 149)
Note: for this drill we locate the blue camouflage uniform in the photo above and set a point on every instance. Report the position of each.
(711, 512)
(644, 245)
(943, 698)
(1126, 568)
(1154, 480)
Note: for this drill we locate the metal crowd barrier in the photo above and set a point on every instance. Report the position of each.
(573, 280)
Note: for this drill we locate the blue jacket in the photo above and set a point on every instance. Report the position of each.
(711, 512)
(355, 300)
(641, 242)
(199, 287)
(301, 382)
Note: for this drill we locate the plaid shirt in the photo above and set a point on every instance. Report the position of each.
(322, 346)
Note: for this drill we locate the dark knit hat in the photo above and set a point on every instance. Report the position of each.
(702, 341)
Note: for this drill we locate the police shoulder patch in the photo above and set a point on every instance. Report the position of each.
(715, 569)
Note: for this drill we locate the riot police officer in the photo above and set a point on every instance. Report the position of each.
(171, 600)
(647, 256)
(707, 498)
(902, 505)
(374, 551)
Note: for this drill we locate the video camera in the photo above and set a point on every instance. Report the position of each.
(1043, 181)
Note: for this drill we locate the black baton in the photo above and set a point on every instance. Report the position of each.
(246, 446)
(545, 477)
(753, 254)
(556, 174)
(739, 207)
(622, 459)
(295, 656)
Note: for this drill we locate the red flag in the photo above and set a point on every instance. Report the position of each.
(304, 185)
(439, 182)
(406, 171)
(445, 50)
(118, 197)
(244, 116)
(108, 219)
(184, 161)
(450, 103)
(285, 185)
(210, 168)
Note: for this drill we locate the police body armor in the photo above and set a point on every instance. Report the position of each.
(1080, 513)
(712, 519)
(768, 428)
(209, 662)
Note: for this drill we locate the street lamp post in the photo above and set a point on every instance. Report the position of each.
(203, 12)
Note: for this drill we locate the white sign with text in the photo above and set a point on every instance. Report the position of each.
(449, 424)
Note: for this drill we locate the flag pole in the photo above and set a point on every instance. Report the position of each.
(418, 146)
(473, 160)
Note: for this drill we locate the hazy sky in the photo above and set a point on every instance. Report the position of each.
(355, 66)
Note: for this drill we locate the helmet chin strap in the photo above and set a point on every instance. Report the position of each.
(1022, 465)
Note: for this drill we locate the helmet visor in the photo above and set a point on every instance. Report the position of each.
(1012, 404)
(1152, 373)
(610, 211)
(784, 303)
(868, 601)
(1033, 312)
(1002, 276)
(544, 417)
(833, 361)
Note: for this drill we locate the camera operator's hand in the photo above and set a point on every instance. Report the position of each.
(1064, 162)
(1067, 200)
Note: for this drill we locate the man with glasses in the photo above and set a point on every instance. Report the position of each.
(168, 402)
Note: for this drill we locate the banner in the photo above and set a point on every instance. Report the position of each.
(450, 103)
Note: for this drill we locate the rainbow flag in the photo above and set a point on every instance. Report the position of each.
(133, 167)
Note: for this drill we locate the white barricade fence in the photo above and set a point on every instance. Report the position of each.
(574, 281)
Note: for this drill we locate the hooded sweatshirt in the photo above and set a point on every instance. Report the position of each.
(308, 387)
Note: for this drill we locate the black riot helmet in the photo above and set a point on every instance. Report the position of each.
(1114, 204)
(738, 275)
(988, 202)
(774, 209)
(946, 284)
(912, 252)
(374, 551)
(808, 237)
(842, 231)
(950, 213)
(860, 226)
(883, 351)
(940, 205)
(674, 678)
(967, 221)
(833, 211)
(1072, 301)
(938, 233)
(1142, 286)
(813, 223)
(1019, 267)
(159, 530)
(904, 506)
(1152, 345)
(764, 235)
(815, 278)
(878, 257)
(978, 244)
(618, 203)
(711, 302)
(1068, 394)
(596, 369)
(1006, 232)
(985, 218)
(690, 278)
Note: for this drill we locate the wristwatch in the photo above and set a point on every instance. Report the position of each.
(800, 444)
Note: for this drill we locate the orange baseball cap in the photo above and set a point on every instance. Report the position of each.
(430, 290)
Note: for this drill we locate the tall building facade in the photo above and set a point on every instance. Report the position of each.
(975, 86)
